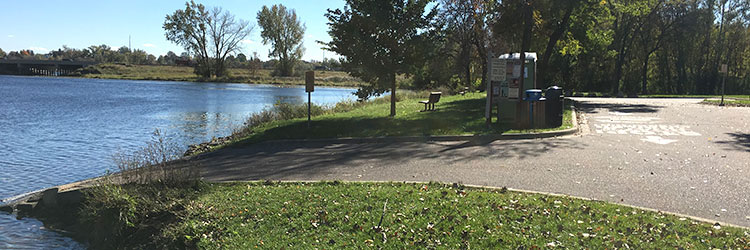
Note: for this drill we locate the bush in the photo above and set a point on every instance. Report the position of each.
(157, 161)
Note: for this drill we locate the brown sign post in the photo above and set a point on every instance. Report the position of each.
(309, 88)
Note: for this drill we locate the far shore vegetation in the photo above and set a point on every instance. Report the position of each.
(235, 75)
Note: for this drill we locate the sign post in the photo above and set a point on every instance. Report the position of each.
(723, 82)
(488, 91)
(309, 88)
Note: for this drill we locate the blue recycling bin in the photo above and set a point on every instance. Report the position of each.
(533, 95)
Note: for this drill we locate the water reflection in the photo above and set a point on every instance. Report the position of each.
(60, 130)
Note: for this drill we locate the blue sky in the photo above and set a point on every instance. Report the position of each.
(43, 25)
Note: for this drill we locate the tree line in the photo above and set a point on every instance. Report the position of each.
(618, 47)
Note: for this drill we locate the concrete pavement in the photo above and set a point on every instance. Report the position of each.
(668, 154)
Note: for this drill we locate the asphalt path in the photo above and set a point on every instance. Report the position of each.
(672, 155)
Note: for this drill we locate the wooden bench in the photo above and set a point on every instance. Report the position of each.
(434, 98)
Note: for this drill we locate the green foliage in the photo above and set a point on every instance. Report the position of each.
(2, 53)
(379, 40)
(283, 30)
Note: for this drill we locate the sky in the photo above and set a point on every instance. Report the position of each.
(44, 25)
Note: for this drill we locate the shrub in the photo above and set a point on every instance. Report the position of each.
(157, 161)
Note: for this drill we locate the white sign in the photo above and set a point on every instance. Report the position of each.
(516, 71)
(497, 69)
(723, 68)
(513, 93)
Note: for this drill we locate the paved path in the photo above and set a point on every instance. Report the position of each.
(668, 154)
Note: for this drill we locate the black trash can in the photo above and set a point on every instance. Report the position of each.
(554, 106)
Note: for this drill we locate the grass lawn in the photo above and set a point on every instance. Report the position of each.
(237, 75)
(335, 215)
(730, 102)
(455, 115)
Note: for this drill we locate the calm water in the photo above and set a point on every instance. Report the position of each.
(59, 130)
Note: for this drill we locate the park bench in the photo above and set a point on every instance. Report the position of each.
(434, 98)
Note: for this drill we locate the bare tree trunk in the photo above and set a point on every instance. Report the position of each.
(525, 41)
(467, 60)
(393, 94)
(644, 87)
(556, 35)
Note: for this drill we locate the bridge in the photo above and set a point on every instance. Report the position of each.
(41, 67)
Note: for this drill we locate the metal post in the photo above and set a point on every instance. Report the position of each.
(488, 90)
(309, 105)
(531, 114)
(723, 86)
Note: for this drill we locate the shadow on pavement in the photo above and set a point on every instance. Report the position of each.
(591, 106)
(740, 141)
(276, 160)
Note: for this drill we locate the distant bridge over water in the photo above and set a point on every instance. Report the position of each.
(41, 67)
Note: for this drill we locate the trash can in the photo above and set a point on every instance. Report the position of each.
(554, 106)
(532, 96)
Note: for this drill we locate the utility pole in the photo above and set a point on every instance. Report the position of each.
(129, 48)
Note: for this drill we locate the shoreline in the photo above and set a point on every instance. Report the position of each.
(222, 81)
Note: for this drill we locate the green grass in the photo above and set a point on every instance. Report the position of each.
(237, 75)
(729, 102)
(455, 115)
(335, 215)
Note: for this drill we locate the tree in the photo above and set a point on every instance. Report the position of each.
(2, 53)
(255, 64)
(211, 35)
(241, 58)
(282, 29)
(378, 39)
(460, 21)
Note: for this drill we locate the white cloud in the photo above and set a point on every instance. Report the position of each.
(248, 41)
(310, 36)
(149, 45)
(38, 50)
(11, 36)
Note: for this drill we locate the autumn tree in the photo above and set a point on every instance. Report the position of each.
(283, 30)
(210, 35)
(379, 39)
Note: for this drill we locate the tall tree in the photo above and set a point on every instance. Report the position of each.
(2, 53)
(460, 21)
(284, 31)
(211, 35)
(378, 40)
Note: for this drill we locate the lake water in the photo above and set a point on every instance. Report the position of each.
(59, 130)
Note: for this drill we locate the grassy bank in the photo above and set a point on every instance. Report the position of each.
(455, 115)
(181, 73)
(333, 215)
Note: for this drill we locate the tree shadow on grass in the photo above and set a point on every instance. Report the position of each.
(739, 142)
(261, 158)
(457, 117)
